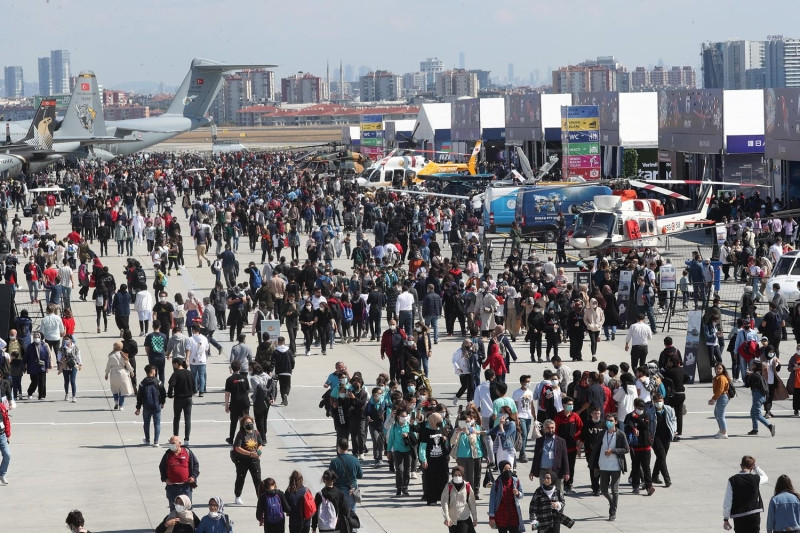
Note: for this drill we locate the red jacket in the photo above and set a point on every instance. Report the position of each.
(495, 361)
(6, 421)
(386, 341)
(569, 427)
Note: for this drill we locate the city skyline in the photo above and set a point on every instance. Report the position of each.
(306, 36)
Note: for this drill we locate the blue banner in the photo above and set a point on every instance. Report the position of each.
(583, 136)
(745, 144)
(582, 111)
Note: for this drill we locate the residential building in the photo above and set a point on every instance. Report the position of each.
(114, 98)
(483, 78)
(45, 85)
(782, 63)
(733, 64)
(59, 71)
(457, 83)
(258, 85)
(640, 78)
(303, 88)
(15, 85)
(430, 67)
(414, 83)
(381, 86)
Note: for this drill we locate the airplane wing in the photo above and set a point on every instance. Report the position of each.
(426, 193)
(90, 141)
(660, 190)
(129, 131)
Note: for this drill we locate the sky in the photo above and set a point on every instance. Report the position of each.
(155, 40)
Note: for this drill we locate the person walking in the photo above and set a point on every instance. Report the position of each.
(546, 507)
(198, 359)
(144, 310)
(783, 513)
(348, 471)
(121, 308)
(237, 399)
(639, 425)
(208, 324)
(434, 456)
(593, 318)
(246, 454)
(608, 462)
(5, 443)
(263, 387)
(155, 345)
(505, 513)
(37, 363)
(458, 503)
(69, 363)
(150, 401)
(721, 386)
(665, 425)
(118, 374)
(179, 469)
(432, 310)
(296, 494)
(181, 389)
(466, 441)
(333, 512)
(283, 359)
(758, 386)
(523, 398)
(550, 455)
(742, 501)
(398, 450)
(463, 368)
(636, 341)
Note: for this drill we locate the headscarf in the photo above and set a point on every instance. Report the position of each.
(220, 507)
(186, 516)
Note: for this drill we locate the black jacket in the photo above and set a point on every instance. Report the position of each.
(283, 361)
(621, 450)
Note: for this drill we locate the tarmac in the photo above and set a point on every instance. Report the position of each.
(87, 456)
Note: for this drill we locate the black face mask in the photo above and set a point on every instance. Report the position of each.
(506, 474)
(248, 427)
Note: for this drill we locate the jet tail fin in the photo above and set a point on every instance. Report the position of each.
(40, 132)
(84, 116)
(473, 159)
(200, 87)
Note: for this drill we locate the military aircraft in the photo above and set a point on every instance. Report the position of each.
(34, 151)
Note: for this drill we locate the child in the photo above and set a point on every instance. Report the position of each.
(684, 287)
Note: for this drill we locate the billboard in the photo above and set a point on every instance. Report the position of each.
(690, 120)
(607, 103)
(782, 123)
(524, 117)
(466, 120)
(372, 136)
(580, 134)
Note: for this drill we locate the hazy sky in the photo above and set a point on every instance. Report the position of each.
(149, 40)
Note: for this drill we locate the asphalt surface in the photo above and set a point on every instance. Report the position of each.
(87, 456)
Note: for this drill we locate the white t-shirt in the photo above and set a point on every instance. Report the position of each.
(641, 389)
(524, 401)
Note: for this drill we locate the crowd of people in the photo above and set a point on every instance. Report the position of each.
(414, 259)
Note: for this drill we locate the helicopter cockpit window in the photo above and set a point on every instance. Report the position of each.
(642, 226)
(651, 227)
(375, 176)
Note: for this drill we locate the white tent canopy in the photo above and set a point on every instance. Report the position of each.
(432, 117)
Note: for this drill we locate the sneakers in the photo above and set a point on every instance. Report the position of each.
(121, 408)
(66, 397)
(3, 480)
(413, 476)
(146, 442)
(721, 436)
(455, 400)
(156, 445)
(772, 429)
(753, 432)
(185, 443)
(612, 517)
(74, 399)
(238, 501)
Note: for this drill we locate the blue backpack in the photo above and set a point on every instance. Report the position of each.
(274, 513)
(151, 398)
(347, 314)
(256, 278)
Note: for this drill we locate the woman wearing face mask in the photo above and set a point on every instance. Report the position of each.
(246, 454)
(458, 504)
(422, 338)
(216, 521)
(720, 399)
(182, 519)
(770, 366)
(760, 390)
(547, 506)
(434, 456)
(593, 318)
(504, 435)
(504, 497)
(398, 450)
(467, 442)
(119, 370)
(69, 363)
(793, 381)
(608, 462)
(307, 321)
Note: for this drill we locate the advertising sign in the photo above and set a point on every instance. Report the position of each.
(782, 123)
(692, 343)
(273, 327)
(745, 144)
(690, 120)
(524, 117)
(607, 103)
(372, 136)
(466, 120)
(623, 296)
(668, 278)
(580, 125)
(582, 278)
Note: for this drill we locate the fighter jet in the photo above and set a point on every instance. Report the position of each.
(34, 151)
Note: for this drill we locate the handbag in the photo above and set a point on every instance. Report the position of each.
(566, 521)
(488, 477)
(354, 492)
(518, 441)
(355, 522)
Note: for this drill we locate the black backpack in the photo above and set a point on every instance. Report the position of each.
(151, 396)
(140, 277)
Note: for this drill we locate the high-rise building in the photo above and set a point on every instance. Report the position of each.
(640, 78)
(430, 67)
(782, 63)
(456, 83)
(15, 85)
(483, 78)
(732, 64)
(258, 85)
(510, 80)
(414, 83)
(349, 73)
(45, 86)
(380, 85)
(462, 61)
(59, 71)
(599, 75)
(658, 77)
(303, 88)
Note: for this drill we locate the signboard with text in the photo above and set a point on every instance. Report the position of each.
(372, 136)
(580, 133)
(607, 103)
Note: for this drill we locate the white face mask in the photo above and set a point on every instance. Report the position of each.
(162, 300)
(639, 412)
(659, 405)
(457, 479)
(462, 424)
(179, 508)
(403, 419)
(173, 447)
(423, 398)
(213, 514)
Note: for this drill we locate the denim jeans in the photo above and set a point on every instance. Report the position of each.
(406, 321)
(432, 322)
(119, 399)
(33, 287)
(719, 412)
(525, 427)
(199, 373)
(173, 491)
(66, 293)
(5, 450)
(155, 414)
(755, 409)
(69, 379)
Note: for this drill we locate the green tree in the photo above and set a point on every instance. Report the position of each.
(630, 164)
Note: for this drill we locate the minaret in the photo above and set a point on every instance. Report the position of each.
(328, 77)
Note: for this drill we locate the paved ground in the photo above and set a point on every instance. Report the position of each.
(87, 456)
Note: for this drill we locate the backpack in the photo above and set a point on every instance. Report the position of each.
(151, 397)
(83, 272)
(649, 296)
(309, 505)
(450, 489)
(140, 277)
(69, 360)
(347, 314)
(108, 284)
(274, 510)
(397, 343)
(328, 517)
(256, 278)
(731, 389)
(748, 350)
(216, 266)
(669, 389)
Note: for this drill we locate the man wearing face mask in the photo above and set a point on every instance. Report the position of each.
(594, 427)
(550, 455)
(392, 342)
(640, 426)
(608, 461)
(37, 364)
(569, 427)
(665, 426)
(179, 469)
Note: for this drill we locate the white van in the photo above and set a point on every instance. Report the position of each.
(786, 273)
